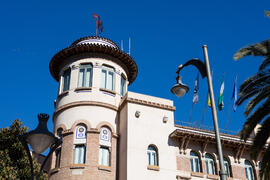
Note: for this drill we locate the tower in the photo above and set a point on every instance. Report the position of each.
(93, 75)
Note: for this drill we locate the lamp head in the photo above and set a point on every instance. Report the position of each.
(41, 138)
(179, 89)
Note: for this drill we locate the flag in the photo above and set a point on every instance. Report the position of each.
(221, 95)
(196, 88)
(209, 99)
(234, 96)
(99, 25)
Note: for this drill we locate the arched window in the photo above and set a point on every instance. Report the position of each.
(58, 150)
(79, 145)
(105, 147)
(195, 164)
(66, 80)
(123, 86)
(249, 170)
(152, 155)
(85, 75)
(107, 78)
(227, 167)
(210, 164)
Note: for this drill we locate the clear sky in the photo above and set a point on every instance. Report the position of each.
(164, 34)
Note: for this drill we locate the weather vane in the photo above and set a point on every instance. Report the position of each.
(99, 25)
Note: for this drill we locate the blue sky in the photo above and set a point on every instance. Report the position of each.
(164, 34)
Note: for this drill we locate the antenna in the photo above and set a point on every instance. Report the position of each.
(122, 48)
(129, 46)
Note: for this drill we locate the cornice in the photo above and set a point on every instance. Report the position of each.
(83, 103)
(145, 103)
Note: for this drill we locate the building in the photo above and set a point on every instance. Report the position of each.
(110, 133)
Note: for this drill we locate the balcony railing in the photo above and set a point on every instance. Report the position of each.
(197, 125)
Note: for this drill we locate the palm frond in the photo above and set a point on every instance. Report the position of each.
(260, 138)
(265, 63)
(255, 80)
(265, 165)
(264, 93)
(259, 49)
(254, 119)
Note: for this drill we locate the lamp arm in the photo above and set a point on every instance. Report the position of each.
(25, 145)
(195, 62)
(52, 149)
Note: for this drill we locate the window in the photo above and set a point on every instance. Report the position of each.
(194, 162)
(227, 167)
(104, 156)
(107, 78)
(249, 170)
(152, 156)
(123, 86)
(79, 154)
(85, 75)
(58, 150)
(210, 164)
(66, 80)
(105, 145)
(79, 145)
(57, 157)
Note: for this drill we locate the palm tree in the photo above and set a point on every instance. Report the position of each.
(257, 87)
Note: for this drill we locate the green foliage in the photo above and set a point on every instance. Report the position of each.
(14, 163)
(257, 89)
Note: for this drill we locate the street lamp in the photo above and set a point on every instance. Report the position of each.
(40, 139)
(180, 90)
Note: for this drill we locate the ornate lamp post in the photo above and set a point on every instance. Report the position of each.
(40, 140)
(181, 89)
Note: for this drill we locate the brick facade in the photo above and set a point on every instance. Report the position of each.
(90, 170)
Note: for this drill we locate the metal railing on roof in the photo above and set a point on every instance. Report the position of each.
(199, 126)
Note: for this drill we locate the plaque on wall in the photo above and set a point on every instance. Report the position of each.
(105, 136)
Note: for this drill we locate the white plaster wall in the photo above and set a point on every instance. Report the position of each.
(95, 94)
(145, 130)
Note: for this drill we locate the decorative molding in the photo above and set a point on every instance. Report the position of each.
(105, 168)
(146, 103)
(83, 103)
(154, 168)
(108, 91)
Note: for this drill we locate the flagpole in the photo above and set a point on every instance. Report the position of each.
(231, 105)
(228, 115)
(191, 112)
(206, 102)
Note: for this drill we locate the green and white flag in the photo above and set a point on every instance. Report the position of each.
(221, 95)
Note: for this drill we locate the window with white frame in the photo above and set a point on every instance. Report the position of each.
(66, 80)
(227, 167)
(85, 75)
(79, 145)
(107, 78)
(105, 147)
(249, 170)
(195, 165)
(210, 164)
(152, 155)
(79, 154)
(123, 86)
(104, 156)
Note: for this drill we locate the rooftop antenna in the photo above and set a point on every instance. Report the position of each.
(129, 46)
(122, 48)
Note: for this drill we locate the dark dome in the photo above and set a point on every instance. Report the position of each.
(93, 44)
